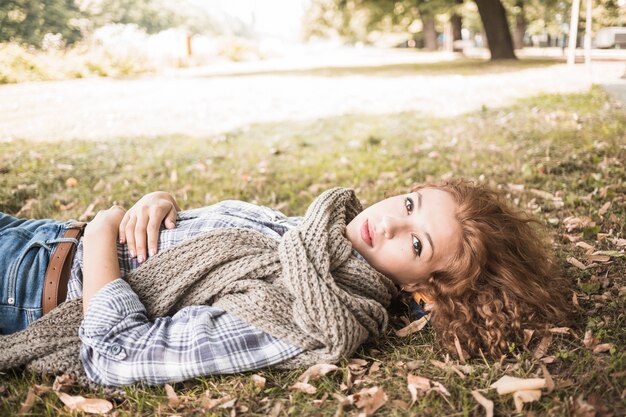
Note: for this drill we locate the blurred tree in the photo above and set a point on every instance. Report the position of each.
(355, 19)
(151, 15)
(27, 21)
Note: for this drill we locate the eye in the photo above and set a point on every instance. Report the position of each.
(417, 246)
(408, 203)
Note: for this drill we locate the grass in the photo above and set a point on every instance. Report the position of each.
(571, 146)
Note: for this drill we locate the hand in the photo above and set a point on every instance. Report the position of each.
(106, 221)
(140, 226)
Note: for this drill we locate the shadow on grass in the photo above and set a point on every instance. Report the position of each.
(461, 67)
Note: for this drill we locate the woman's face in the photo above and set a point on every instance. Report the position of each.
(409, 236)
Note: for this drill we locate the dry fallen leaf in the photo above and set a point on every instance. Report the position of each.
(209, 403)
(28, 207)
(508, 384)
(525, 396)
(459, 350)
(543, 346)
(576, 263)
(415, 384)
(374, 368)
(304, 387)
(604, 208)
(29, 401)
(88, 405)
(370, 399)
(603, 347)
(548, 377)
(63, 382)
(317, 371)
(413, 327)
(258, 380)
(528, 335)
(173, 400)
(589, 341)
(486, 403)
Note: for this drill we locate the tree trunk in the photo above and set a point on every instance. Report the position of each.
(497, 30)
(430, 33)
(520, 26)
(457, 24)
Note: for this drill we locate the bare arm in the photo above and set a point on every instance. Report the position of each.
(100, 252)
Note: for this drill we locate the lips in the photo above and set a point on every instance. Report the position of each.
(366, 234)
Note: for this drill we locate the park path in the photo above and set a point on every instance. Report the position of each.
(208, 100)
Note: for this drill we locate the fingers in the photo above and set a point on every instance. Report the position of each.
(170, 219)
(130, 234)
(140, 235)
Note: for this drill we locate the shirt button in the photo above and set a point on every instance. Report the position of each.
(11, 301)
(116, 349)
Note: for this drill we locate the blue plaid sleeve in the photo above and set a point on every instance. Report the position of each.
(121, 346)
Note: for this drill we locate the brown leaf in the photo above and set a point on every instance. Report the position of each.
(575, 299)
(317, 371)
(589, 341)
(403, 405)
(303, 387)
(417, 384)
(598, 258)
(209, 403)
(275, 411)
(29, 402)
(562, 330)
(413, 327)
(584, 245)
(543, 346)
(603, 347)
(525, 396)
(528, 335)
(576, 263)
(358, 362)
(258, 380)
(89, 213)
(508, 384)
(576, 223)
(370, 399)
(605, 207)
(173, 400)
(374, 368)
(581, 408)
(88, 405)
(459, 351)
(486, 403)
(63, 382)
(548, 377)
(28, 207)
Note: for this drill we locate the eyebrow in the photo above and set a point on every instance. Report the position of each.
(419, 206)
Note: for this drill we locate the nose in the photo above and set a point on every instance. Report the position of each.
(392, 225)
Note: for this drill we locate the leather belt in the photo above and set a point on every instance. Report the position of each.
(59, 267)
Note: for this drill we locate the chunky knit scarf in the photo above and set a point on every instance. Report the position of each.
(307, 289)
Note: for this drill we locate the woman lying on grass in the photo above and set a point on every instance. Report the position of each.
(234, 286)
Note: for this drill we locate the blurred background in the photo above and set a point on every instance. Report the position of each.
(59, 39)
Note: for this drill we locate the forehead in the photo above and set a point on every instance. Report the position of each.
(440, 216)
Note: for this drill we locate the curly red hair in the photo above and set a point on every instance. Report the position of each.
(503, 278)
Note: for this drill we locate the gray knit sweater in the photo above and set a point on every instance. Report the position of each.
(307, 289)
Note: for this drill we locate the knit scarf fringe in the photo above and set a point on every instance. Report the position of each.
(306, 288)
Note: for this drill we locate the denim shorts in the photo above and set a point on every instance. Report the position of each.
(25, 248)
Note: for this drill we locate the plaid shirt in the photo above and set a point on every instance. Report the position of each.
(121, 346)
